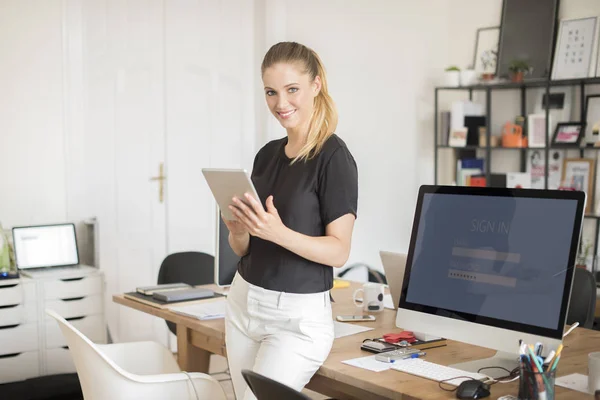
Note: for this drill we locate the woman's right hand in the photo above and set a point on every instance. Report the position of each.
(236, 228)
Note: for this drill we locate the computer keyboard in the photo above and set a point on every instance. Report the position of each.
(435, 372)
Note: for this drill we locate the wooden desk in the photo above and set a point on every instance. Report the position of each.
(197, 339)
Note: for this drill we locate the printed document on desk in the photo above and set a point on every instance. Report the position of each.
(370, 363)
(342, 329)
(204, 311)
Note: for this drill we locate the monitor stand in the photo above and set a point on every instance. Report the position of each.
(509, 361)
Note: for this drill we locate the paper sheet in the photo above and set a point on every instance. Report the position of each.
(370, 363)
(342, 329)
(203, 311)
(388, 302)
(577, 382)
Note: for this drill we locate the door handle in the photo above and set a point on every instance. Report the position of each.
(161, 179)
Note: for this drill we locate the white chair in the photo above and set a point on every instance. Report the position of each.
(137, 370)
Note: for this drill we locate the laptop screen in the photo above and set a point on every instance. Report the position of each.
(45, 246)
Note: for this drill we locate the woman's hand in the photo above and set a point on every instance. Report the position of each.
(236, 228)
(266, 225)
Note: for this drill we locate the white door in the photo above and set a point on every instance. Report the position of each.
(210, 116)
(125, 127)
(210, 78)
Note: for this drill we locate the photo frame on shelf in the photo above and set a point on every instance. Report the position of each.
(579, 174)
(485, 56)
(458, 137)
(536, 167)
(575, 54)
(536, 129)
(568, 134)
(592, 119)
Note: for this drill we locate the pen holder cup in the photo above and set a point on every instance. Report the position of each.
(536, 386)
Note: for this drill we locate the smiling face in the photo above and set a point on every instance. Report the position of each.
(290, 94)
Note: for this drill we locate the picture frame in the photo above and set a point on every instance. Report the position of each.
(575, 54)
(579, 174)
(458, 137)
(536, 129)
(592, 118)
(568, 134)
(485, 55)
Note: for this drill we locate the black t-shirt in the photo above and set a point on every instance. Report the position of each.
(308, 195)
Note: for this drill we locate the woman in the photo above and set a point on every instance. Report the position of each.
(279, 321)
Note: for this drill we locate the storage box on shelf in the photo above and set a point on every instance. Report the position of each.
(31, 343)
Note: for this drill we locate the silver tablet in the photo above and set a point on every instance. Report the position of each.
(227, 183)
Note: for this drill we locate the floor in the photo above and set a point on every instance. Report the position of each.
(218, 365)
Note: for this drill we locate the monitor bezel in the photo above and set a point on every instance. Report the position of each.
(555, 333)
(44, 226)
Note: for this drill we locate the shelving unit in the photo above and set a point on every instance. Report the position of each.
(522, 87)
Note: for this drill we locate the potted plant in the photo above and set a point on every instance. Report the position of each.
(488, 61)
(452, 76)
(518, 69)
(468, 76)
(584, 253)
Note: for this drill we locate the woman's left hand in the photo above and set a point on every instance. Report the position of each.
(266, 225)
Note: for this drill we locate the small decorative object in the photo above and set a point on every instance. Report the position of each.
(452, 76)
(558, 102)
(576, 44)
(536, 129)
(512, 136)
(518, 69)
(486, 52)
(568, 134)
(592, 119)
(578, 173)
(458, 137)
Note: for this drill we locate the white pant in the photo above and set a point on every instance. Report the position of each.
(284, 336)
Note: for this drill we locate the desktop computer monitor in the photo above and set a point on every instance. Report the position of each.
(226, 261)
(491, 267)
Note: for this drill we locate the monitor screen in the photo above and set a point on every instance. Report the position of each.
(226, 261)
(498, 260)
(45, 246)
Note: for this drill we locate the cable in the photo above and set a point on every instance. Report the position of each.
(192, 382)
(571, 329)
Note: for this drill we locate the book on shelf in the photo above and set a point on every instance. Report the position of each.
(467, 168)
(444, 127)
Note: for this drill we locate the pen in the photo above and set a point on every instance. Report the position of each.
(538, 367)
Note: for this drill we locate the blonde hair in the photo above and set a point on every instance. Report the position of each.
(324, 118)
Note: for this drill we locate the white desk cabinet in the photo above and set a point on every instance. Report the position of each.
(31, 343)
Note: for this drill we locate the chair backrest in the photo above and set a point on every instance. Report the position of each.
(191, 267)
(94, 369)
(266, 388)
(101, 378)
(583, 299)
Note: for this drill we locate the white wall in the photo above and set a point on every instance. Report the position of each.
(32, 120)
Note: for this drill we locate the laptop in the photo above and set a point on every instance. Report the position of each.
(47, 249)
(393, 267)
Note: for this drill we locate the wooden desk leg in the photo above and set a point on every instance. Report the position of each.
(189, 357)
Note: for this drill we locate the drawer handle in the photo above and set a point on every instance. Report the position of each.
(9, 306)
(8, 287)
(74, 318)
(10, 355)
(73, 298)
(71, 279)
(65, 347)
(9, 326)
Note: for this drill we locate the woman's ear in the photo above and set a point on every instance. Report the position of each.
(317, 85)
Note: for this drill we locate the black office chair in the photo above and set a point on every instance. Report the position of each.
(267, 389)
(583, 299)
(191, 267)
(372, 274)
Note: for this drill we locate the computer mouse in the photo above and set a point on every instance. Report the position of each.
(472, 389)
